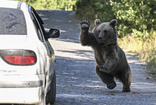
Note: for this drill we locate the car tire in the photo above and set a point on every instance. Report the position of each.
(51, 95)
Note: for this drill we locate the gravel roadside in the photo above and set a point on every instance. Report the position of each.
(77, 82)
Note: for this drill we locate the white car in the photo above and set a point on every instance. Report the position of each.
(27, 60)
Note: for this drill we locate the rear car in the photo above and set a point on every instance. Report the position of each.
(27, 60)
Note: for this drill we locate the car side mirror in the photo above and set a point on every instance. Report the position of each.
(54, 33)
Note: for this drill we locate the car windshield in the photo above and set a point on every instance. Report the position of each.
(12, 22)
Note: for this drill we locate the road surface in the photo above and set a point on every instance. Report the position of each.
(77, 82)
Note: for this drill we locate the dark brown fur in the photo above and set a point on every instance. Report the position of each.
(110, 59)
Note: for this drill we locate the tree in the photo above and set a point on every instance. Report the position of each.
(136, 16)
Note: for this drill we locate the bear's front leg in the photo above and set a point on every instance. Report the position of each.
(85, 35)
(110, 65)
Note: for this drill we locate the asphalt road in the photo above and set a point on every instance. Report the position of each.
(77, 82)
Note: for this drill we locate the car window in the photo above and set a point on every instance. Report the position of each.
(12, 22)
(39, 25)
(38, 28)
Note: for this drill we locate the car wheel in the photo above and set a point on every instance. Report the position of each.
(51, 95)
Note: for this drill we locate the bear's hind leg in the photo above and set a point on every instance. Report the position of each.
(106, 78)
(125, 78)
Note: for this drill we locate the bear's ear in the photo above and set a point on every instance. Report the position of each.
(97, 22)
(114, 22)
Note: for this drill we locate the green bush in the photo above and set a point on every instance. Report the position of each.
(134, 16)
(137, 17)
(92, 9)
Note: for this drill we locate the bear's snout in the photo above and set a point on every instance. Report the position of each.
(99, 37)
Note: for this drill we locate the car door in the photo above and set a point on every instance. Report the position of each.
(43, 36)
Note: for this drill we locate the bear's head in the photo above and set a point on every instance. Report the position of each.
(105, 33)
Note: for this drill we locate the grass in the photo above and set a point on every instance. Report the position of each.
(145, 49)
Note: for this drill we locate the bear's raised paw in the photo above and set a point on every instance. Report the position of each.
(84, 23)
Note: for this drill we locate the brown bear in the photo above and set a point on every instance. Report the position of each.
(110, 58)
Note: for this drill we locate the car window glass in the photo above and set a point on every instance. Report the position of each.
(40, 22)
(38, 27)
(38, 30)
(12, 22)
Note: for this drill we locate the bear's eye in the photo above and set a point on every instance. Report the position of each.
(105, 31)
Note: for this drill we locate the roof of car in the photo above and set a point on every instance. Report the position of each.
(12, 4)
(18, 5)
